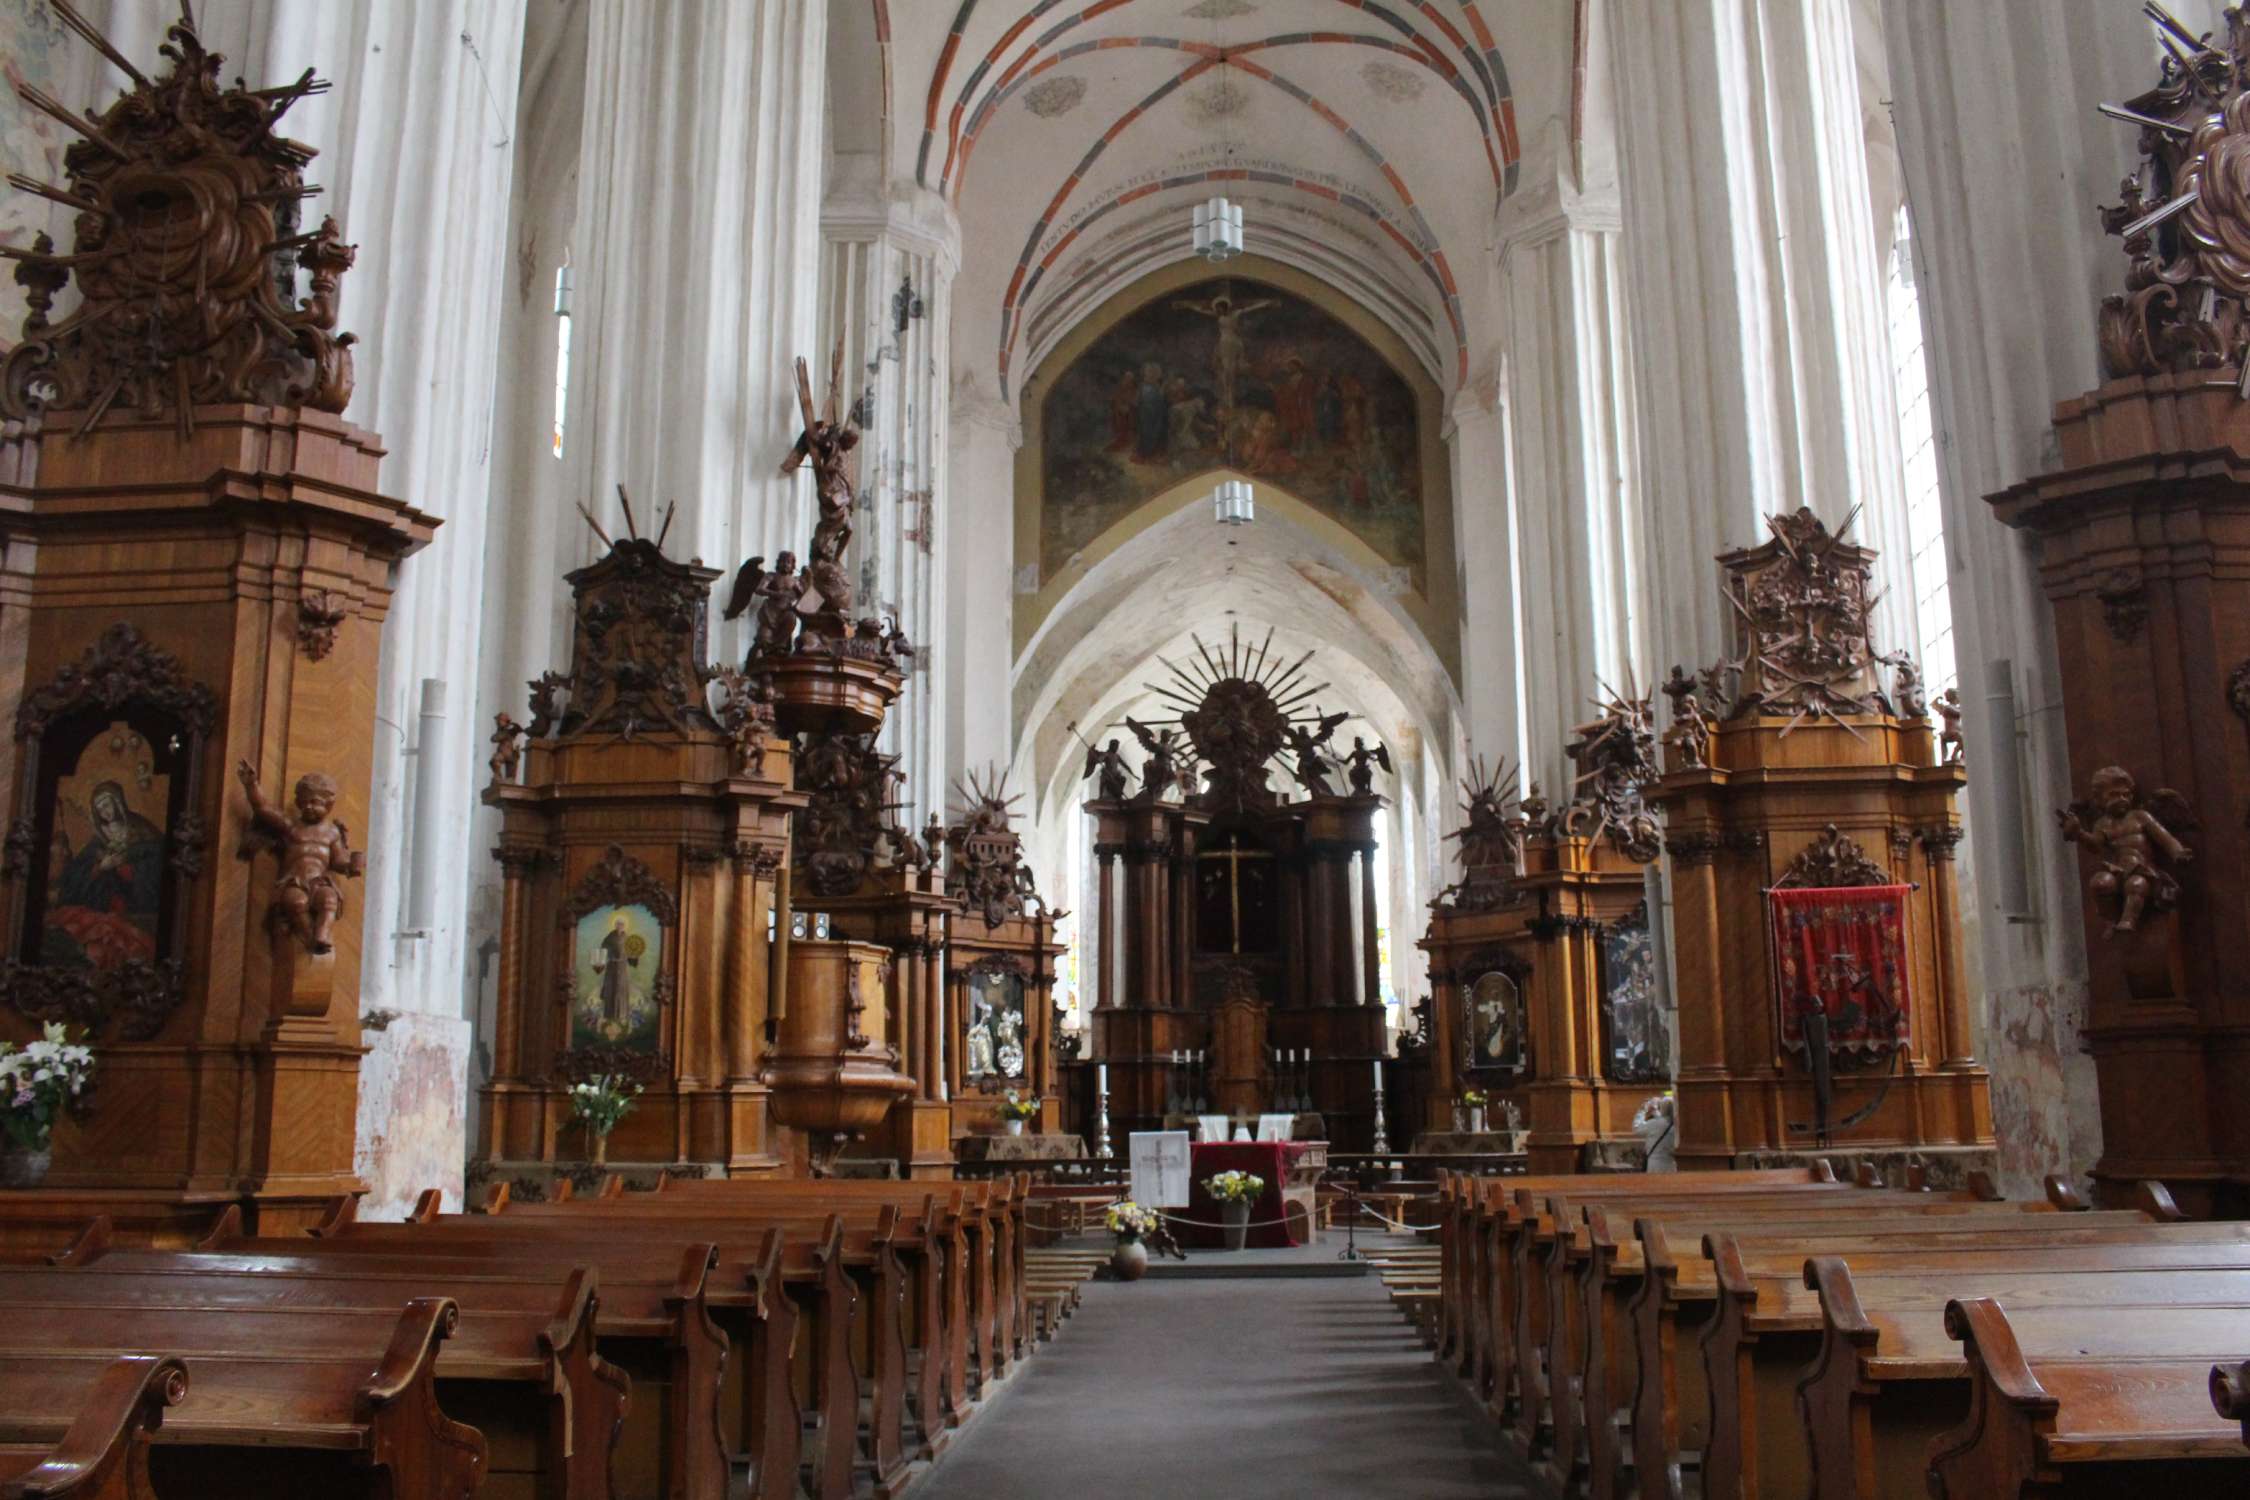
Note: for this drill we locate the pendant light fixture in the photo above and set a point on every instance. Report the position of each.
(1232, 503)
(1218, 221)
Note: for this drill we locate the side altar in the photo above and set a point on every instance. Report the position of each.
(1543, 992)
(196, 557)
(1809, 815)
(1240, 922)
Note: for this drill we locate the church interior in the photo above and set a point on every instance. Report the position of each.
(832, 748)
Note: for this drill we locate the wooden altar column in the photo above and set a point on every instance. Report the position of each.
(2143, 537)
(1704, 1121)
(1371, 957)
(1109, 928)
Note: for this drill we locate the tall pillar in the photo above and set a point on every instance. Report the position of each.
(1755, 292)
(887, 292)
(1371, 954)
(1105, 914)
(1485, 527)
(1574, 469)
(696, 259)
(975, 537)
(2003, 156)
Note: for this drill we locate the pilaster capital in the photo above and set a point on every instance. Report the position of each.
(861, 204)
(1546, 207)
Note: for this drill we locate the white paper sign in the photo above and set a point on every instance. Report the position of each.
(1160, 1173)
(1211, 1127)
(1276, 1127)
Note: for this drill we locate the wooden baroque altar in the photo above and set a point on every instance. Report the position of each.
(1239, 921)
(1792, 765)
(196, 557)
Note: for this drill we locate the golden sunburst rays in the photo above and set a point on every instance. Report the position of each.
(1255, 666)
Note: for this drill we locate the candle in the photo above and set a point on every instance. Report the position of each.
(1378, 1075)
(1101, 1077)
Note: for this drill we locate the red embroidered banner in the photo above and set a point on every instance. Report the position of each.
(1841, 950)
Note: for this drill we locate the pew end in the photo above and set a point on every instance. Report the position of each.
(428, 1204)
(2064, 1194)
(495, 1198)
(2155, 1199)
(2230, 1394)
(106, 1442)
(94, 1241)
(342, 1213)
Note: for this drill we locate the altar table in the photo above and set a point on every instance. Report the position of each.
(1270, 1160)
(1063, 1147)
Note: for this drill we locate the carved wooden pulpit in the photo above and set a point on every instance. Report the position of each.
(198, 558)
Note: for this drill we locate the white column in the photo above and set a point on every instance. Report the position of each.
(696, 254)
(977, 540)
(2003, 157)
(1757, 301)
(1574, 436)
(1485, 539)
(878, 243)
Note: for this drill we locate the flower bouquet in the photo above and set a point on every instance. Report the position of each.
(1235, 1191)
(37, 1082)
(1130, 1222)
(598, 1104)
(1017, 1111)
(1472, 1103)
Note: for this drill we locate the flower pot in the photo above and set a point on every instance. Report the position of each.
(22, 1167)
(1130, 1259)
(1015, 1127)
(1234, 1218)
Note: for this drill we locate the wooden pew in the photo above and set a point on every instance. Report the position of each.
(520, 1364)
(1484, 1261)
(653, 1323)
(1891, 1396)
(1690, 1316)
(993, 1227)
(873, 1288)
(103, 1454)
(2230, 1394)
(950, 1247)
(346, 1409)
(745, 1294)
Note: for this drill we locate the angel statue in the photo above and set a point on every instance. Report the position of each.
(1310, 765)
(1107, 762)
(775, 594)
(1160, 772)
(2134, 848)
(1362, 763)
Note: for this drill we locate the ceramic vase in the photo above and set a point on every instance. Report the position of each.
(22, 1167)
(1476, 1119)
(1130, 1259)
(1234, 1215)
(1015, 1127)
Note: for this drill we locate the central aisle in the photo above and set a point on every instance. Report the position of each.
(1243, 1388)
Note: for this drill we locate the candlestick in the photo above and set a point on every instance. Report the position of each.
(1101, 1078)
(1378, 1075)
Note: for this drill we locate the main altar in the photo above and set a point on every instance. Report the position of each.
(1240, 969)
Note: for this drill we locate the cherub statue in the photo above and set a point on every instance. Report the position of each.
(1951, 746)
(507, 748)
(775, 594)
(314, 848)
(746, 714)
(2128, 840)
(1107, 763)
(895, 643)
(1361, 764)
(1691, 730)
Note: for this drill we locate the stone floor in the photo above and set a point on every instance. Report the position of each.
(1242, 1388)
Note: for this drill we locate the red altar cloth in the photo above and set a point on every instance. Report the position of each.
(1270, 1160)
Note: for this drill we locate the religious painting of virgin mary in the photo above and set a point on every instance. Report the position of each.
(105, 858)
(617, 980)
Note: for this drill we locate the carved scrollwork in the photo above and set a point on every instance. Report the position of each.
(16, 849)
(1832, 860)
(319, 616)
(1694, 848)
(621, 880)
(584, 1064)
(140, 996)
(1940, 840)
(2124, 598)
(187, 257)
(119, 668)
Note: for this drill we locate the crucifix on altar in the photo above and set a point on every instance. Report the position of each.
(1224, 897)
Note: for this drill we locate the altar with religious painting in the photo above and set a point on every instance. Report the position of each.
(1239, 917)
